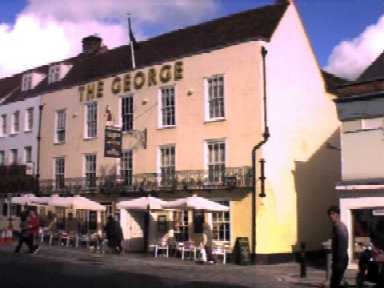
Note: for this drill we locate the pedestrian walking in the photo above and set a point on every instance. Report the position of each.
(339, 247)
(114, 234)
(33, 227)
(24, 235)
(207, 242)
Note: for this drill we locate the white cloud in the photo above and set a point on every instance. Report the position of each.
(46, 32)
(351, 57)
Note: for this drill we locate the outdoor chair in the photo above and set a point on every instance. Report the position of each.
(162, 246)
(187, 248)
(83, 240)
(220, 250)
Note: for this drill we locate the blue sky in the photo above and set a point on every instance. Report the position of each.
(328, 24)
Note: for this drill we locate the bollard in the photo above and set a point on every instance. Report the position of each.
(303, 260)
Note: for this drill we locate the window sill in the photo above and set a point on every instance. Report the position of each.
(27, 131)
(215, 120)
(89, 138)
(58, 143)
(14, 134)
(167, 127)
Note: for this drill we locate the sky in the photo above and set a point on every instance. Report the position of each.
(347, 35)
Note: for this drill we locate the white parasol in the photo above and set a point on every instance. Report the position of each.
(142, 203)
(195, 203)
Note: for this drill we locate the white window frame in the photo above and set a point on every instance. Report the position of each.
(207, 163)
(161, 166)
(59, 170)
(15, 122)
(4, 125)
(161, 112)
(28, 154)
(2, 157)
(54, 74)
(207, 116)
(128, 167)
(87, 171)
(220, 216)
(26, 83)
(13, 156)
(123, 128)
(372, 123)
(88, 121)
(60, 125)
(29, 119)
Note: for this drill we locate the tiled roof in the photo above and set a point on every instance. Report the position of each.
(332, 82)
(253, 24)
(374, 71)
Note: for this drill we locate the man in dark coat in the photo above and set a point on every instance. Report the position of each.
(339, 247)
(114, 234)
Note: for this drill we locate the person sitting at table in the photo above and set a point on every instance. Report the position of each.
(71, 225)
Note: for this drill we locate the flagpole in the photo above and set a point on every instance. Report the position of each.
(131, 42)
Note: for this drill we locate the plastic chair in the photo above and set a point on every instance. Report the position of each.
(162, 246)
(187, 247)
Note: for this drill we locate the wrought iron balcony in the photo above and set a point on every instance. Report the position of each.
(228, 178)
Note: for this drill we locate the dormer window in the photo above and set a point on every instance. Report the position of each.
(30, 80)
(26, 83)
(54, 74)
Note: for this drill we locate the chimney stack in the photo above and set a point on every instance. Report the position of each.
(91, 44)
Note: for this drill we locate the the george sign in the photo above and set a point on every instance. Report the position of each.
(113, 142)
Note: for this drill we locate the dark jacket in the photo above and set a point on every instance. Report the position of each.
(339, 243)
(113, 230)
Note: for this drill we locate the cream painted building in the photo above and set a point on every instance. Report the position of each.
(360, 105)
(191, 112)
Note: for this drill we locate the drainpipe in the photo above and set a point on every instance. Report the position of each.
(38, 151)
(255, 148)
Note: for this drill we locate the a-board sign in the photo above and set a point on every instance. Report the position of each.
(113, 141)
(242, 252)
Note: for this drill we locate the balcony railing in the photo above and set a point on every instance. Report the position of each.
(230, 178)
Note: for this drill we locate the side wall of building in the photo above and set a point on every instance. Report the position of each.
(301, 172)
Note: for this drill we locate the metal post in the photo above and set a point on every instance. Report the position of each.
(38, 151)
(303, 260)
(9, 216)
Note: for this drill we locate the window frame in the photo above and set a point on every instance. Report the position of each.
(54, 73)
(208, 99)
(2, 158)
(126, 168)
(29, 119)
(165, 179)
(28, 154)
(60, 120)
(90, 176)
(215, 178)
(167, 112)
(26, 82)
(59, 173)
(4, 125)
(129, 116)
(222, 219)
(15, 122)
(89, 122)
(13, 159)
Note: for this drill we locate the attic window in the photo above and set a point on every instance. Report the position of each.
(26, 83)
(54, 74)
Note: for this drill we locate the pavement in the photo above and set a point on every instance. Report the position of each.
(219, 275)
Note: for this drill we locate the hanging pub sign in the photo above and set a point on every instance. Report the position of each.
(113, 142)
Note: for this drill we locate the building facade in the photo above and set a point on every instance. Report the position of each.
(361, 191)
(191, 112)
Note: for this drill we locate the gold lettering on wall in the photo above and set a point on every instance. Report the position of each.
(127, 82)
(100, 89)
(139, 80)
(178, 70)
(116, 85)
(152, 77)
(81, 91)
(165, 73)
